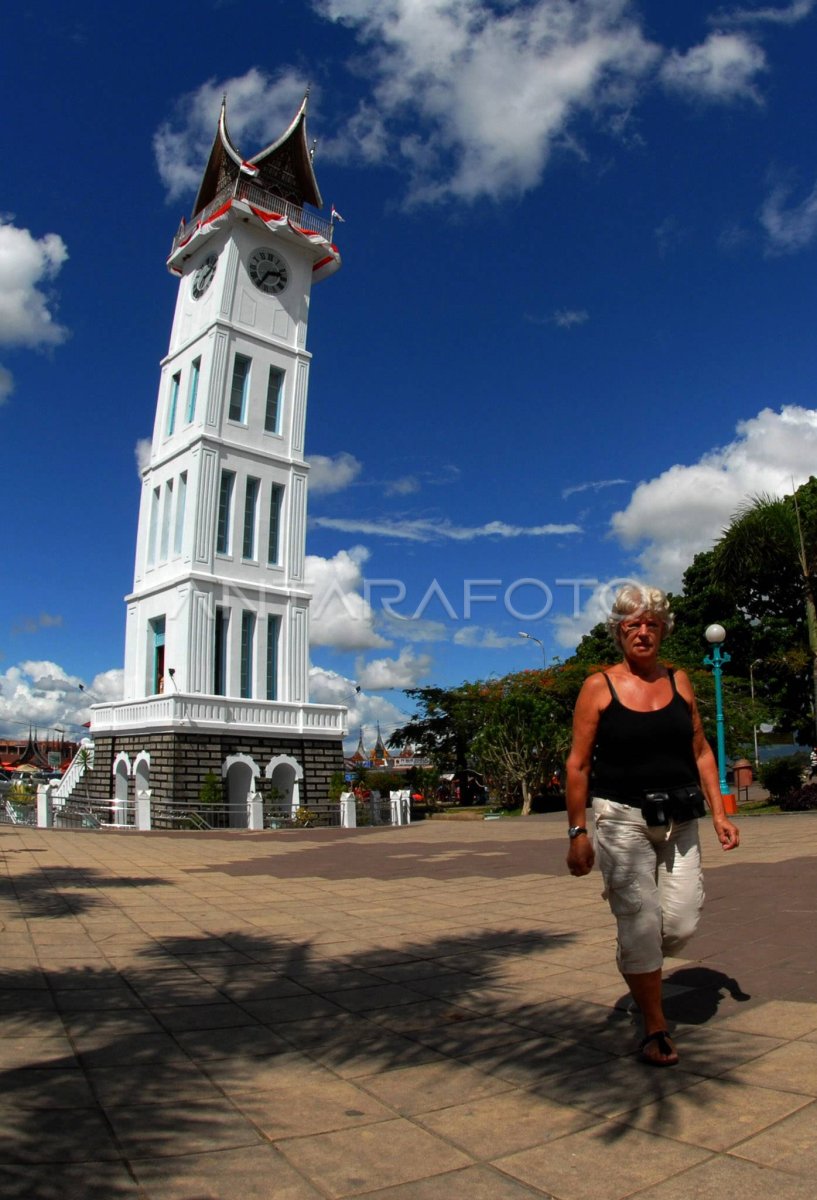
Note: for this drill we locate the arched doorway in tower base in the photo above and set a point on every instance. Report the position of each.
(240, 773)
(285, 775)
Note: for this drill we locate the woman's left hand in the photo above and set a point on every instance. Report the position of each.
(728, 834)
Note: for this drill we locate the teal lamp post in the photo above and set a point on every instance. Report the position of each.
(715, 635)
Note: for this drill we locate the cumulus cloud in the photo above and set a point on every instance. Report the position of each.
(340, 615)
(789, 227)
(363, 712)
(425, 529)
(405, 671)
(493, 89)
(332, 473)
(479, 637)
(43, 695)
(27, 266)
(671, 518)
(259, 109)
(722, 69)
(142, 454)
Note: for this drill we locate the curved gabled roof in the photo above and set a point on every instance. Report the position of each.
(291, 154)
(283, 169)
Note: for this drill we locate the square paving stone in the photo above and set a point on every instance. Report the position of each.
(716, 1114)
(151, 1131)
(253, 1173)
(790, 1068)
(495, 1126)
(310, 1105)
(774, 1018)
(790, 1144)
(352, 1161)
(605, 1162)
(431, 1085)
(64, 1181)
(473, 1183)
(51, 1135)
(730, 1179)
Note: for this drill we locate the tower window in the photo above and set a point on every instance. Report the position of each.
(153, 527)
(248, 549)
(239, 389)
(274, 543)
(275, 389)
(247, 649)
(157, 655)
(181, 504)
(222, 625)
(166, 509)
(225, 505)
(175, 384)
(273, 632)
(193, 390)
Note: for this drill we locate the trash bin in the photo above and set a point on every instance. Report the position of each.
(743, 773)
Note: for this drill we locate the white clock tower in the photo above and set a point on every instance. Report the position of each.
(216, 655)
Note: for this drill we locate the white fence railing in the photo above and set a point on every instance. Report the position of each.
(194, 711)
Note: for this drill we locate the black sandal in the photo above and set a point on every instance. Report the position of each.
(665, 1046)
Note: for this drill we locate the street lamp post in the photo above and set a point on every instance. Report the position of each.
(539, 643)
(715, 635)
(752, 666)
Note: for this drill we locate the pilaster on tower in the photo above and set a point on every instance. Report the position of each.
(217, 625)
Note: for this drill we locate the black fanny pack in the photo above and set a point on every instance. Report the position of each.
(677, 804)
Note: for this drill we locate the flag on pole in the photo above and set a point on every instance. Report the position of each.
(336, 216)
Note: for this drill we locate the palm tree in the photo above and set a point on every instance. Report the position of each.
(775, 538)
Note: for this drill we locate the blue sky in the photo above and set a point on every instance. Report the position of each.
(573, 331)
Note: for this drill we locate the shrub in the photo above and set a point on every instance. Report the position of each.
(781, 775)
(802, 799)
(211, 794)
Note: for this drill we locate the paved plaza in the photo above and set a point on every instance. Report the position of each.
(424, 1013)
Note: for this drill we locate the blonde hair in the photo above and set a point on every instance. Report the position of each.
(634, 599)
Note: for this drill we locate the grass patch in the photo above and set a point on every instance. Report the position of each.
(758, 808)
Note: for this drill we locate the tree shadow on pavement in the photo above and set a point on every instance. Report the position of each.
(65, 891)
(165, 1053)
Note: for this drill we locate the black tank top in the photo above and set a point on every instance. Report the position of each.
(638, 752)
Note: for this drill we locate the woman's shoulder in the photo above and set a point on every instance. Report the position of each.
(596, 685)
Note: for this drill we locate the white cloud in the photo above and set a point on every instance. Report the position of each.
(41, 694)
(406, 485)
(798, 10)
(594, 485)
(332, 473)
(6, 384)
(720, 70)
(362, 711)
(142, 453)
(569, 628)
(27, 266)
(409, 629)
(259, 109)
(405, 671)
(793, 228)
(340, 616)
(430, 530)
(566, 318)
(479, 637)
(486, 91)
(686, 508)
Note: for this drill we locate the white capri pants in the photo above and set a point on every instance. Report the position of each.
(652, 881)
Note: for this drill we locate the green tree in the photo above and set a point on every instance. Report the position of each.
(445, 726)
(768, 558)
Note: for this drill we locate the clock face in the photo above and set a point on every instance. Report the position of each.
(268, 271)
(204, 276)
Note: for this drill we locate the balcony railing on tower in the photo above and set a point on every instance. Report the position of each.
(259, 197)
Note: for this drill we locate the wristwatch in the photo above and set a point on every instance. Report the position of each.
(575, 830)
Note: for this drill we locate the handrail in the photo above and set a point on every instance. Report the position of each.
(244, 190)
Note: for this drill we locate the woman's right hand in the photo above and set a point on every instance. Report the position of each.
(580, 855)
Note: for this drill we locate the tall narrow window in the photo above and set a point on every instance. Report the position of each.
(181, 504)
(239, 388)
(153, 527)
(193, 390)
(247, 649)
(157, 654)
(275, 388)
(274, 544)
(222, 625)
(225, 505)
(175, 384)
(166, 508)
(273, 632)
(248, 549)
